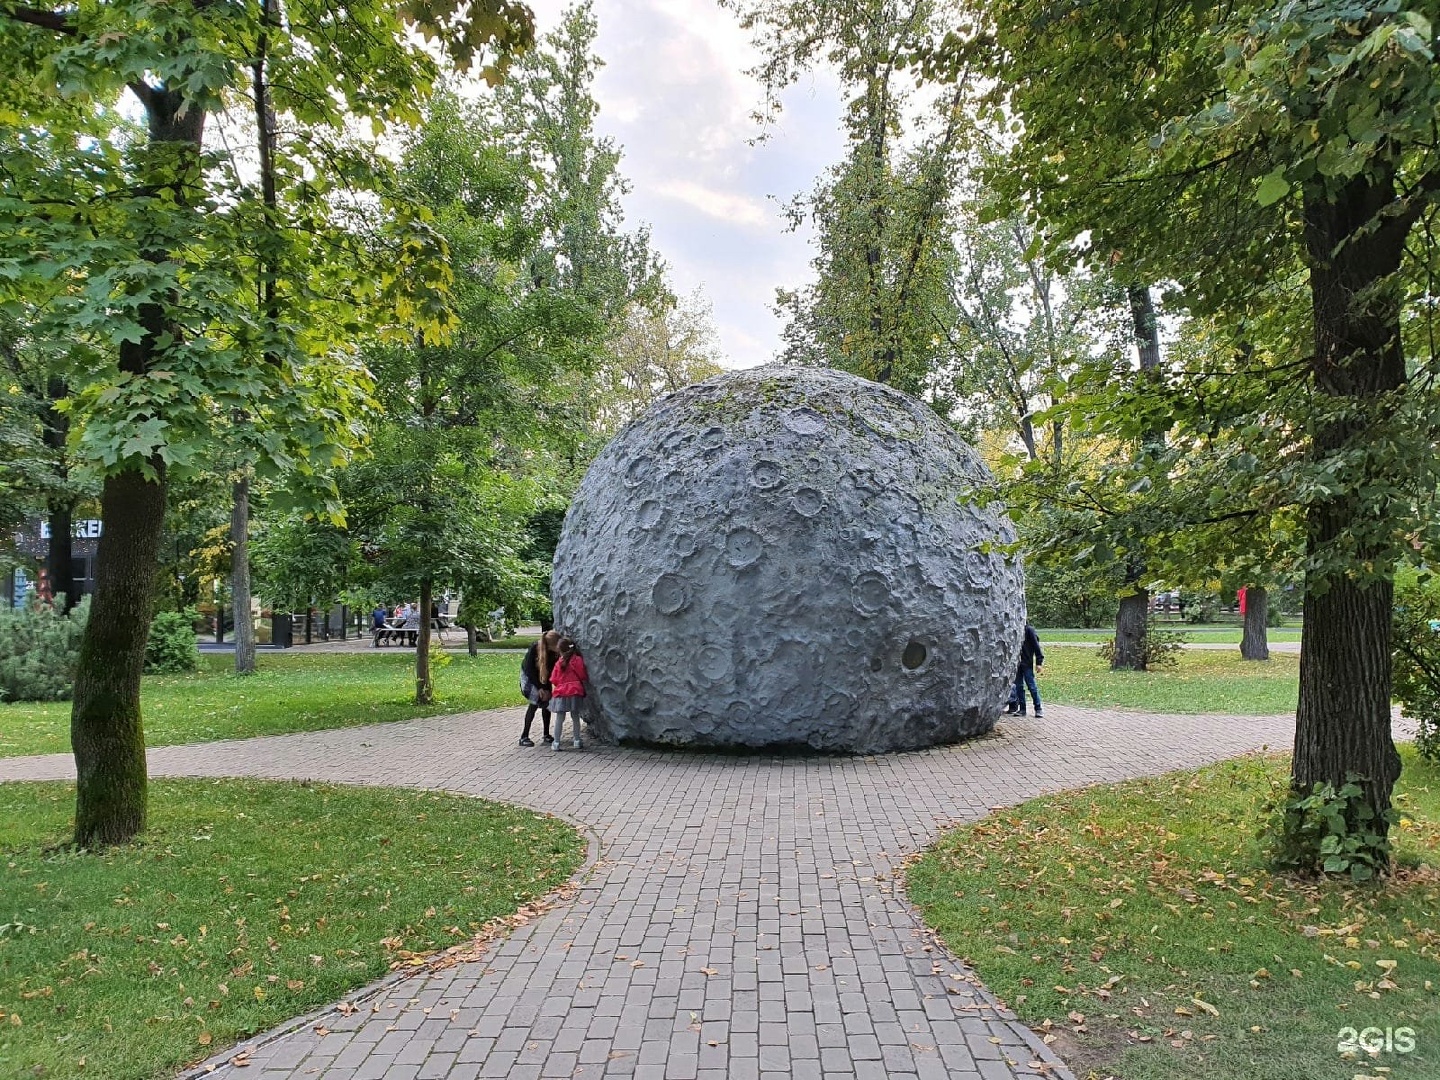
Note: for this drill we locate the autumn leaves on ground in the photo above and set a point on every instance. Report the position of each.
(1139, 930)
(1137, 927)
(247, 903)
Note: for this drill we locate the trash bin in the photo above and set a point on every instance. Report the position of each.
(280, 630)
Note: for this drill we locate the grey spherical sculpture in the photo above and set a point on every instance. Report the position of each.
(790, 557)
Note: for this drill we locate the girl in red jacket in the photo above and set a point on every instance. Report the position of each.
(567, 690)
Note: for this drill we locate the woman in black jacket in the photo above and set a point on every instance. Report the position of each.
(535, 682)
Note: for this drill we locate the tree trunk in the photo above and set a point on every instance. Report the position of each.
(424, 690)
(105, 729)
(1147, 331)
(240, 578)
(470, 639)
(1132, 619)
(1131, 626)
(1255, 640)
(59, 556)
(1342, 722)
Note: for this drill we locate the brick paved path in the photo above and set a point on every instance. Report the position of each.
(742, 920)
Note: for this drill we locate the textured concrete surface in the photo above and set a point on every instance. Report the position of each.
(743, 919)
(790, 556)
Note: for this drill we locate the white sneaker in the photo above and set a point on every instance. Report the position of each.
(555, 745)
(576, 744)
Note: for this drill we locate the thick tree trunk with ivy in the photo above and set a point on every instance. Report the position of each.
(106, 733)
(1255, 637)
(1342, 723)
(424, 688)
(240, 578)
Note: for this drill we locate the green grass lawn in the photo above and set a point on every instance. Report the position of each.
(1205, 635)
(1139, 927)
(518, 641)
(289, 692)
(246, 903)
(1200, 682)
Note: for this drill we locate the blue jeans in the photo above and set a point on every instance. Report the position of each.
(1023, 678)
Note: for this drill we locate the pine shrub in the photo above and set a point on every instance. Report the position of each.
(38, 650)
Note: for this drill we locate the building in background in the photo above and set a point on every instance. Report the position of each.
(29, 575)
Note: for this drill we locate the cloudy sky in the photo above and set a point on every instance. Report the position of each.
(674, 96)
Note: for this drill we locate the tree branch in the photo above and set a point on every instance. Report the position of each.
(145, 93)
(1412, 205)
(47, 20)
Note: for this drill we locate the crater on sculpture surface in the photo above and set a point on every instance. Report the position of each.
(817, 560)
(742, 547)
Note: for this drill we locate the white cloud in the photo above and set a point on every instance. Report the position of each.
(674, 95)
(741, 209)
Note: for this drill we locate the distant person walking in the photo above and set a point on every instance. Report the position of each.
(567, 690)
(535, 682)
(1032, 658)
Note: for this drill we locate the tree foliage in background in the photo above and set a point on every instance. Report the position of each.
(1021, 329)
(132, 236)
(438, 504)
(1417, 658)
(660, 346)
(1248, 153)
(878, 305)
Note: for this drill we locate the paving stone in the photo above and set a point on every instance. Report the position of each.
(774, 872)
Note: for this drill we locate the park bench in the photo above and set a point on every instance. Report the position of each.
(406, 635)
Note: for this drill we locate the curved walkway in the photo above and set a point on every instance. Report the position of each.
(742, 920)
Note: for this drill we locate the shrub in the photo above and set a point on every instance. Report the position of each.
(171, 646)
(1416, 659)
(1202, 608)
(1332, 832)
(1160, 649)
(38, 650)
(1067, 596)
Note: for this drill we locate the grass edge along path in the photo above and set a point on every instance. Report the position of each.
(1138, 928)
(246, 904)
(290, 692)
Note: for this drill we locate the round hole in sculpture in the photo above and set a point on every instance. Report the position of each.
(913, 658)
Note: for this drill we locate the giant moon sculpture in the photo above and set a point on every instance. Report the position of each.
(790, 557)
